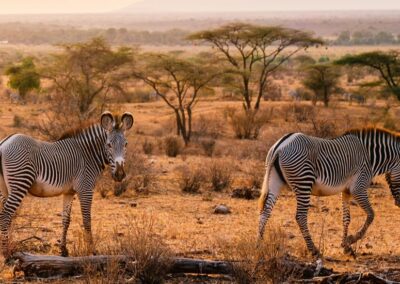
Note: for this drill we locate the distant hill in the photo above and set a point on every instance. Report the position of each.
(165, 6)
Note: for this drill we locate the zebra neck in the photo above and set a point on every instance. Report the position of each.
(383, 150)
(92, 143)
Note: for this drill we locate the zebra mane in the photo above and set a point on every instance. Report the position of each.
(74, 132)
(369, 130)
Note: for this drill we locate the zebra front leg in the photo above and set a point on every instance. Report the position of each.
(86, 206)
(361, 197)
(346, 221)
(303, 203)
(7, 213)
(66, 219)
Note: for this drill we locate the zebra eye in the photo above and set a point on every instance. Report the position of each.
(126, 144)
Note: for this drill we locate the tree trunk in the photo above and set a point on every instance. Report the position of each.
(326, 97)
(189, 126)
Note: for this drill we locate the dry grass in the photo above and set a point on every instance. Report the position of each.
(184, 222)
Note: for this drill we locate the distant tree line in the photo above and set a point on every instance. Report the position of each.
(364, 37)
(21, 33)
(38, 33)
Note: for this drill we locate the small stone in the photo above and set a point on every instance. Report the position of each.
(133, 204)
(368, 246)
(222, 209)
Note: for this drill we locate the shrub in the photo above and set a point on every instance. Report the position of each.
(208, 126)
(325, 128)
(17, 121)
(147, 147)
(172, 146)
(139, 175)
(208, 145)
(191, 179)
(140, 242)
(247, 124)
(220, 175)
(298, 112)
(264, 263)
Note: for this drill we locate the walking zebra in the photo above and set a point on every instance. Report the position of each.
(66, 167)
(323, 167)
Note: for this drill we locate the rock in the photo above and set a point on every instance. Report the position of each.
(132, 204)
(368, 246)
(222, 209)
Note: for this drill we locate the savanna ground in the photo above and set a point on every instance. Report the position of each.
(185, 222)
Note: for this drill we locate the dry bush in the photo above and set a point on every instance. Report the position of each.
(247, 124)
(18, 121)
(208, 145)
(139, 242)
(148, 147)
(191, 178)
(208, 126)
(298, 112)
(139, 173)
(172, 146)
(262, 262)
(219, 173)
(254, 172)
(325, 128)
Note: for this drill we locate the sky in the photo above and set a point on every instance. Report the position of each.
(101, 6)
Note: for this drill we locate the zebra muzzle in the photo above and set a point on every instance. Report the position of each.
(119, 174)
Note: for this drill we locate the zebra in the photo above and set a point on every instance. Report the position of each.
(68, 167)
(323, 167)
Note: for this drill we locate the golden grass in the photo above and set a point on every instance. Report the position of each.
(186, 223)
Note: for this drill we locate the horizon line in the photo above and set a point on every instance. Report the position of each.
(196, 12)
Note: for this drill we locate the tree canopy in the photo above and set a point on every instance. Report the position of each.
(254, 52)
(322, 79)
(387, 64)
(86, 71)
(178, 81)
(23, 76)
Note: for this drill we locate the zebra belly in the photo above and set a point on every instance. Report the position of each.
(43, 189)
(321, 189)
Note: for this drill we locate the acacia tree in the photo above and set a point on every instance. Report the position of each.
(322, 79)
(86, 71)
(178, 81)
(23, 76)
(254, 53)
(387, 64)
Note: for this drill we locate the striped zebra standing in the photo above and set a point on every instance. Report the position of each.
(66, 167)
(324, 167)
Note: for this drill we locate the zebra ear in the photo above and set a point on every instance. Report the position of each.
(107, 121)
(126, 121)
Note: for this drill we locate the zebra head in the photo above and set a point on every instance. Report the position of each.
(116, 141)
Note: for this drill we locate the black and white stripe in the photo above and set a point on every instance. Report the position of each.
(323, 167)
(66, 167)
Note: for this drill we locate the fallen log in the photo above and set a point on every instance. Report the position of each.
(45, 266)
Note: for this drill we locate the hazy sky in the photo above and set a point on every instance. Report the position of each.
(96, 6)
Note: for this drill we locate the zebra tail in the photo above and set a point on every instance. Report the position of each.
(271, 157)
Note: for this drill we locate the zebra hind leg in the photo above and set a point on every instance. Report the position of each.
(303, 203)
(361, 197)
(346, 221)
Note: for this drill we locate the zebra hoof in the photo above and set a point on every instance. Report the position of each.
(349, 251)
(64, 252)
